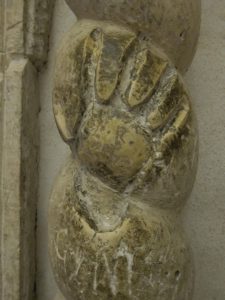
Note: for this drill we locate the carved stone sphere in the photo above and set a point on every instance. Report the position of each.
(172, 24)
(144, 257)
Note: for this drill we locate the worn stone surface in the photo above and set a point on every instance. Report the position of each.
(205, 210)
(2, 64)
(113, 210)
(19, 181)
(27, 28)
(144, 257)
(14, 26)
(59, 296)
(38, 23)
(24, 31)
(172, 24)
(1, 108)
(1, 26)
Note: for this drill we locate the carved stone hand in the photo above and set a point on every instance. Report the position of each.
(125, 112)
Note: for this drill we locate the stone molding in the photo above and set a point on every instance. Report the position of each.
(24, 33)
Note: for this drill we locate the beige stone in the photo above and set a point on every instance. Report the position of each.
(172, 24)
(38, 24)
(59, 296)
(145, 257)
(24, 32)
(19, 181)
(126, 88)
(27, 30)
(204, 217)
(114, 230)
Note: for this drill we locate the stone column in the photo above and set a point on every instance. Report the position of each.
(24, 32)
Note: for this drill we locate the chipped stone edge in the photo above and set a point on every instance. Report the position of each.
(24, 35)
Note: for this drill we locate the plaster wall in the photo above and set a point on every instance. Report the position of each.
(204, 216)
